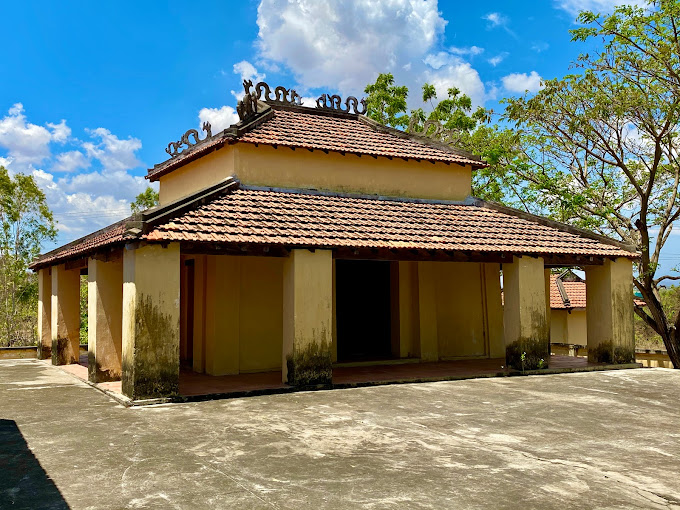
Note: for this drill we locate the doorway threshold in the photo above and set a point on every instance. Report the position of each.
(368, 363)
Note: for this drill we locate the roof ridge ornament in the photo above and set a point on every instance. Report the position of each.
(176, 148)
(247, 107)
(432, 129)
(334, 102)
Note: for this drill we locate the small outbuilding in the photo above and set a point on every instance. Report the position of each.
(300, 238)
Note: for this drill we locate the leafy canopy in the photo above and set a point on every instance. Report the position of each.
(603, 145)
(461, 127)
(25, 223)
(145, 200)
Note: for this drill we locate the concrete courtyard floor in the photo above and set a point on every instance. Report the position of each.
(584, 440)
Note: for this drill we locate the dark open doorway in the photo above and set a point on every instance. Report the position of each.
(363, 310)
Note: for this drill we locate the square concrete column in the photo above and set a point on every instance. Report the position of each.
(525, 321)
(44, 314)
(105, 319)
(427, 311)
(150, 360)
(307, 317)
(609, 313)
(65, 313)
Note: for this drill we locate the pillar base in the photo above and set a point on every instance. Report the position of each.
(44, 352)
(607, 352)
(311, 366)
(62, 354)
(527, 354)
(97, 374)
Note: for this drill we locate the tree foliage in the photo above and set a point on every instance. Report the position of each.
(462, 128)
(386, 102)
(145, 200)
(25, 223)
(603, 142)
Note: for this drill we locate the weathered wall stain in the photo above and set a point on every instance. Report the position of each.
(155, 369)
(311, 365)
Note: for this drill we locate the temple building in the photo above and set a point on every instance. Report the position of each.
(301, 239)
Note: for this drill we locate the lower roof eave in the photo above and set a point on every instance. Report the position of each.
(396, 253)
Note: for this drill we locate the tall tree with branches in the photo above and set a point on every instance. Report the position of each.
(25, 223)
(603, 143)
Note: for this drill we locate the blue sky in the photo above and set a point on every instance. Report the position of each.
(91, 94)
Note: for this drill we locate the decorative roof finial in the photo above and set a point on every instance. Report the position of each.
(247, 107)
(175, 148)
(334, 102)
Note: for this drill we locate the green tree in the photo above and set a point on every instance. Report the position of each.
(145, 200)
(603, 142)
(453, 121)
(386, 102)
(25, 223)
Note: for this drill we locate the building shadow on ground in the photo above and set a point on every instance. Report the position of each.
(23, 481)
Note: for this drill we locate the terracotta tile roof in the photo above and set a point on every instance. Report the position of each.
(309, 128)
(113, 234)
(576, 292)
(295, 218)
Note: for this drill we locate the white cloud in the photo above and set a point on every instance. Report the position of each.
(497, 59)
(219, 118)
(573, 7)
(247, 71)
(539, 46)
(28, 143)
(495, 19)
(70, 161)
(446, 71)
(81, 201)
(351, 42)
(60, 132)
(522, 82)
(114, 153)
(79, 212)
(472, 50)
(348, 46)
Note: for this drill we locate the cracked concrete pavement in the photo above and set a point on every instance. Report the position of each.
(587, 440)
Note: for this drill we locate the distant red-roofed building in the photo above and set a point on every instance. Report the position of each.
(568, 323)
(300, 238)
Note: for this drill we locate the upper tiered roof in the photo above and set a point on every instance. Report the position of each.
(289, 124)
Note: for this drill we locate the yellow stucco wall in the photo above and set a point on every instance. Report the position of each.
(261, 313)
(525, 299)
(526, 327)
(307, 305)
(150, 332)
(409, 315)
(105, 318)
(65, 315)
(449, 304)
(459, 312)
(559, 331)
(283, 167)
(494, 309)
(238, 317)
(609, 294)
(569, 328)
(460, 316)
(223, 302)
(578, 327)
(198, 174)
(44, 314)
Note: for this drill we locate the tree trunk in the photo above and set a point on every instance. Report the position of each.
(672, 343)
